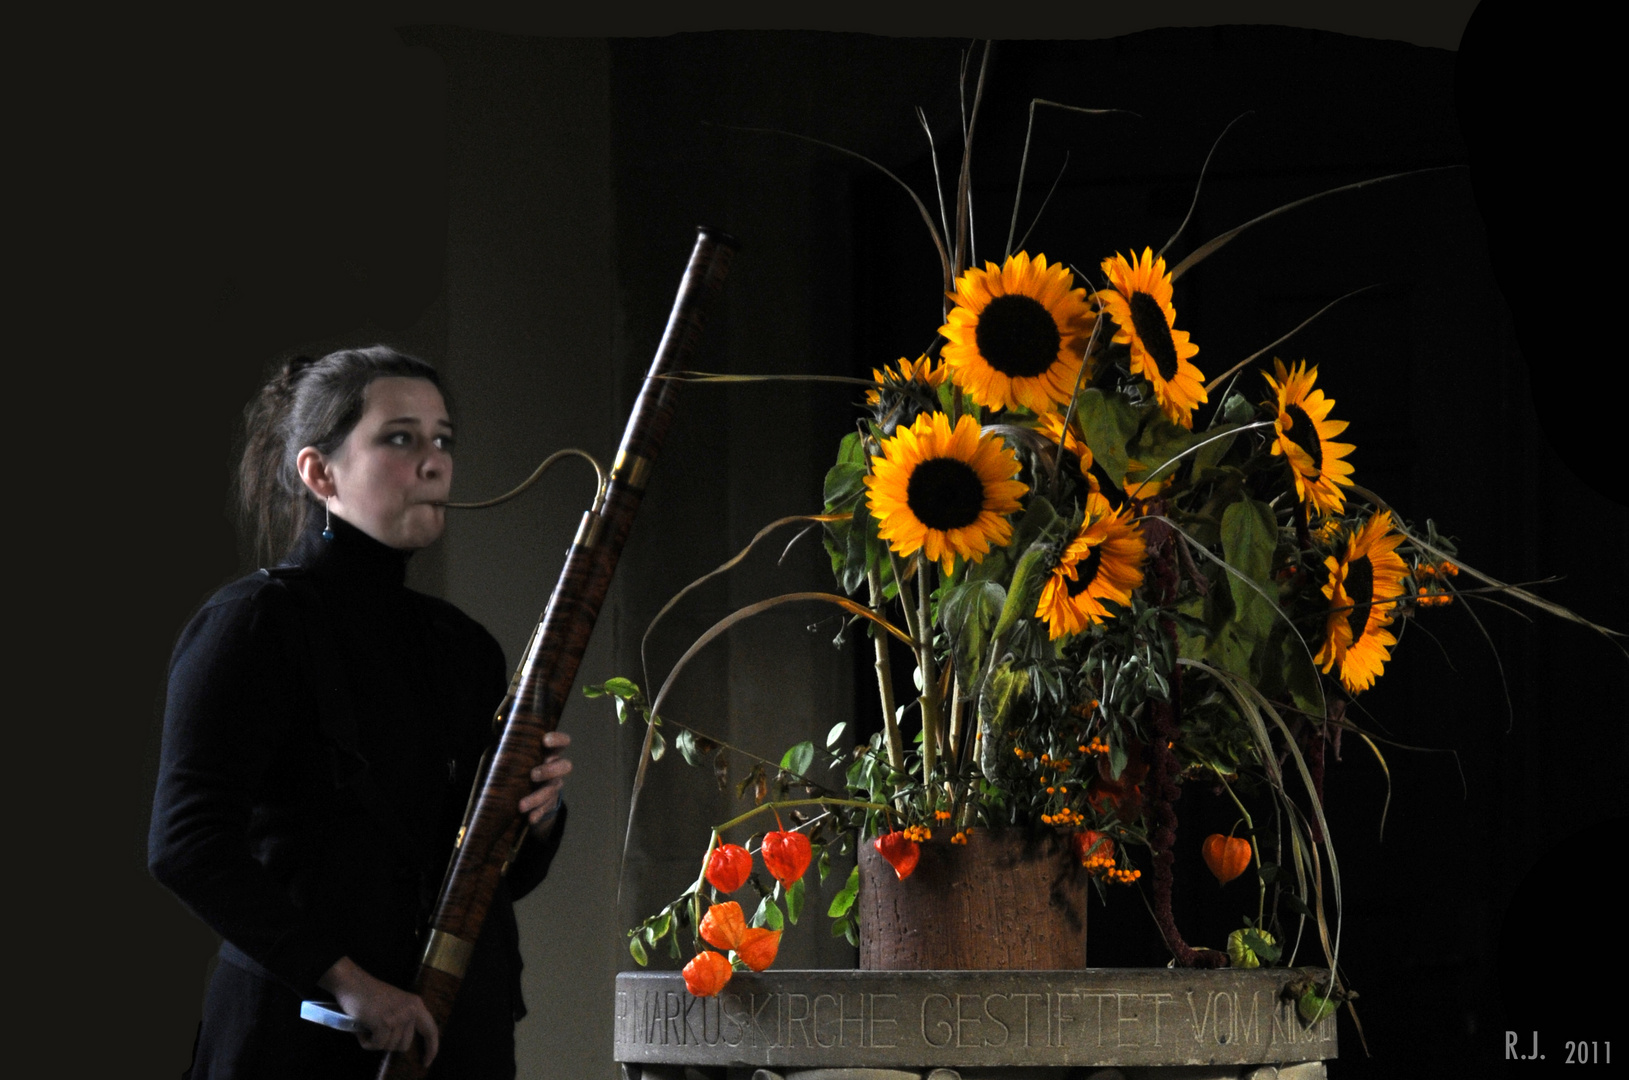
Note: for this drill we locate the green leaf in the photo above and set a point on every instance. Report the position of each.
(1268, 873)
(1108, 421)
(658, 746)
(823, 863)
(835, 734)
(799, 759)
(794, 900)
(638, 950)
(1211, 454)
(845, 483)
(1027, 581)
(1249, 538)
(1238, 409)
(1297, 905)
(1261, 946)
(685, 740)
(840, 928)
(844, 900)
(1117, 758)
(768, 914)
(618, 687)
(851, 450)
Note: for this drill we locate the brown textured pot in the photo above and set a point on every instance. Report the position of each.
(1001, 902)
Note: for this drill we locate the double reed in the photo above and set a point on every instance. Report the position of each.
(541, 684)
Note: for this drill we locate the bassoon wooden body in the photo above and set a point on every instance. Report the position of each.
(543, 681)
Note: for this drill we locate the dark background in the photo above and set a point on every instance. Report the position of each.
(204, 198)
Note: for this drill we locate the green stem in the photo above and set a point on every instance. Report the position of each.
(1255, 849)
(885, 679)
(928, 664)
(734, 821)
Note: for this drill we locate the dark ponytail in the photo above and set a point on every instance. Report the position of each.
(306, 403)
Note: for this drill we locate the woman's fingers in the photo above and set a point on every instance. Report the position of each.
(549, 775)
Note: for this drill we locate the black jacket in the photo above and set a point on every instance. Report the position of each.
(305, 821)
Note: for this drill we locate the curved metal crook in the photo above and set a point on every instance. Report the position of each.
(548, 462)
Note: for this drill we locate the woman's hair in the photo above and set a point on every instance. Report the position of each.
(307, 403)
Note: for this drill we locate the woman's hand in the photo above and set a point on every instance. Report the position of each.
(389, 1016)
(542, 804)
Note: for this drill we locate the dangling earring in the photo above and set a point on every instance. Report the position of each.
(327, 520)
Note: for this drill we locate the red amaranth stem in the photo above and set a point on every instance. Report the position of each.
(1164, 788)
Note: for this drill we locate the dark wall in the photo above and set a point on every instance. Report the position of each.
(519, 208)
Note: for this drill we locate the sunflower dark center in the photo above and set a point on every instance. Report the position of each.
(1148, 319)
(1305, 435)
(1360, 590)
(945, 493)
(1086, 570)
(1017, 337)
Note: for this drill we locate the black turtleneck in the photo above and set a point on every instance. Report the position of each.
(258, 823)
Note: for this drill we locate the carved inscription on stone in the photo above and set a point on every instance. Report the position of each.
(1096, 1017)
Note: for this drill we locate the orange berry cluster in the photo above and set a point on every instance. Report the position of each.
(1124, 877)
(1096, 746)
(1068, 816)
(960, 837)
(1099, 861)
(941, 815)
(920, 833)
(1432, 589)
(1444, 568)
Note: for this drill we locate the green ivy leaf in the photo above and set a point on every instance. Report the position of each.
(638, 951)
(835, 734)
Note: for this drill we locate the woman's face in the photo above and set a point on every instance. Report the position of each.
(391, 476)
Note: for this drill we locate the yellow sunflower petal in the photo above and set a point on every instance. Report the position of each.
(1363, 589)
(1140, 305)
(1103, 562)
(1017, 335)
(943, 491)
(1304, 437)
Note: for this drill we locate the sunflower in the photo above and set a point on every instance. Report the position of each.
(1072, 441)
(1103, 562)
(1304, 432)
(902, 374)
(1363, 587)
(1017, 334)
(1140, 304)
(944, 491)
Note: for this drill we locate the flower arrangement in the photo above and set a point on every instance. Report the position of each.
(1115, 572)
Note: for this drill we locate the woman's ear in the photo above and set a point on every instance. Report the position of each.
(314, 471)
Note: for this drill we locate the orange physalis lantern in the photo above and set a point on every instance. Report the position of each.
(787, 855)
(1227, 856)
(706, 975)
(901, 852)
(758, 947)
(728, 867)
(723, 926)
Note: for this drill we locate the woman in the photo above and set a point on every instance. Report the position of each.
(321, 734)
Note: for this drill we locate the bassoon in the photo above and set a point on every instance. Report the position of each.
(494, 827)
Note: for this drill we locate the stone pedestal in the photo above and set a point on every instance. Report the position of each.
(1091, 1024)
